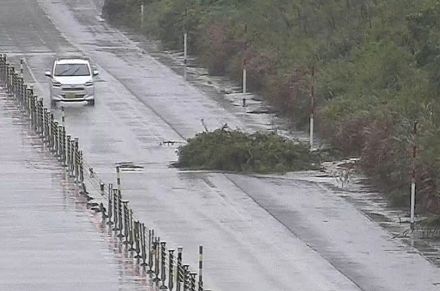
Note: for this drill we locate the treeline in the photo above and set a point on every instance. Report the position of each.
(377, 66)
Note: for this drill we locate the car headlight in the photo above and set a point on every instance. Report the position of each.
(89, 83)
(56, 84)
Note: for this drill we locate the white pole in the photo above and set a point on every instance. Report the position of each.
(142, 15)
(21, 67)
(185, 48)
(413, 179)
(244, 59)
(312, 108)
(185, 54)
(63, 116)
(413, 202)
(312, 124)
(118, 178)
(244, 78)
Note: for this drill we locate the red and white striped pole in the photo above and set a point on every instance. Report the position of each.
(200, 268)
(413, 177)
(21, 67)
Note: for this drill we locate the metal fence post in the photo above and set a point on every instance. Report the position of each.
(44, 123)
(102, 210)
(33, 110)
(77, 160)
(40, 116)
(51, 131)
(10, 80)
(200, 268)
(56, 139)
(21, 67)
(63, 116)
(150, 251)
(179, 272)
(156, 248)
(186, 279)
(136, 239)
(192, 281)
(125, 222)
(31, 104)
(110, 204)
(13, 81)
(72, 158)
(118, 178)
(131, 230)
(120, 215)
(144, 245)
(20, 95)
(163, 257)
(63, 153)
(170, 269)
(81, 167)
(115, 210)
(68, 145)
(2, 67)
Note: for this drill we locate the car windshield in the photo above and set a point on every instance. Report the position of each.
(72, 70)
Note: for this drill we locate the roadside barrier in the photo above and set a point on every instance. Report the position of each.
(165, 269)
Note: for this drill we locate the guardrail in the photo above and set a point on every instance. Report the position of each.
(164, 266)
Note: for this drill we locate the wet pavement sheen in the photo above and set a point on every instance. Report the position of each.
(259, 234)
(49, 240)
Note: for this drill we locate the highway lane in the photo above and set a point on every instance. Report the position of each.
(49, 239)
(250, 243)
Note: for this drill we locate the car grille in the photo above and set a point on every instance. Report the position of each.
(73, 97)
(73, 89)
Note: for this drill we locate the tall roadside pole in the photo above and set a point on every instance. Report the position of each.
(244, 60)
(185, 41)
(142, 15)
(312, 106)
(413, 176)
(185, 47)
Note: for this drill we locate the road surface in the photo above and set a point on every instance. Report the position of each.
(259, 233)
(49, 239)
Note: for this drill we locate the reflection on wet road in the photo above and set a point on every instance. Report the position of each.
(259, 234)
(49, 240)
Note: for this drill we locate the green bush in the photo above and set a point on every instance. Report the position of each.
(233, 150)
(376, 71)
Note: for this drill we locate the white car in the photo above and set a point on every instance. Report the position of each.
(71, 80)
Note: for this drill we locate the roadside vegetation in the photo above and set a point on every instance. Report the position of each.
(377, 69)
(233, 150)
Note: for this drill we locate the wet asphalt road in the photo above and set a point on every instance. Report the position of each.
(49, 240)
(259, 233)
